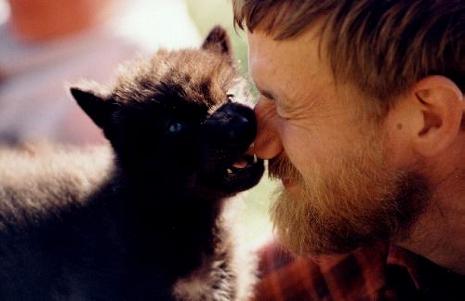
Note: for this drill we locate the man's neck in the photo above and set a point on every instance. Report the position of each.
(439, 233)
(49, 20)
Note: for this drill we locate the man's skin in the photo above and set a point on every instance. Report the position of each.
(314, 122)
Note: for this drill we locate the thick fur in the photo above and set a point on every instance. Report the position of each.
(144, 219)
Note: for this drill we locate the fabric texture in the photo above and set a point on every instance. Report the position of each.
(379, 272)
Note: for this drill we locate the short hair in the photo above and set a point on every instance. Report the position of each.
(381, 46)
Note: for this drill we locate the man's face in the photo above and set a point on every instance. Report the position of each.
(341, 187)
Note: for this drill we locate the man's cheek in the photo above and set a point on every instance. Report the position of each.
(297, 152)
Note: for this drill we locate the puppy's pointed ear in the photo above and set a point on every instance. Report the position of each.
(218, 41)
(96, 106)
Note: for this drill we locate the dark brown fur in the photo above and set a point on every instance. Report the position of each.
(142, 220)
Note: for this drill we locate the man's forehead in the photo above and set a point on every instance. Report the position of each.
(285, 61)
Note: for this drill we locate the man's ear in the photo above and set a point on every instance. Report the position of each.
(218, 41)
(96, 106)
(432, 112)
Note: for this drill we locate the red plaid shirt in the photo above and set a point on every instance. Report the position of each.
(381, 272)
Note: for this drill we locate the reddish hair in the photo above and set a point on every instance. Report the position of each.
(381, 46)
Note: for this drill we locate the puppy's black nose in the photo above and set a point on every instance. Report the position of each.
(232, 124)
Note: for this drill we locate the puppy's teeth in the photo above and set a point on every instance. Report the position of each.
(255, 159)
(251, 147)
(229, 171)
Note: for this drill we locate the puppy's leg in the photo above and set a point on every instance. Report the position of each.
(230, 273)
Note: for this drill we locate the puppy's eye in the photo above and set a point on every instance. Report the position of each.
(175, 127)
(230, 97)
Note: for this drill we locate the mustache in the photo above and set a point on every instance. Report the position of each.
(281, 167)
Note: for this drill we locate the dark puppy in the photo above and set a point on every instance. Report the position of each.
(144, 220)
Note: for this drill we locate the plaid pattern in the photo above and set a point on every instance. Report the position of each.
(381, 272)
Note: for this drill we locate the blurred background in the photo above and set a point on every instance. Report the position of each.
(46, 44)
(207, 13)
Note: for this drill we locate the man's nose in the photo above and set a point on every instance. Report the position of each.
(267, 144)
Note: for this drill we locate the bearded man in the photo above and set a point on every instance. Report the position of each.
(361, 115)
